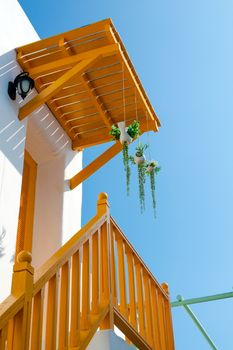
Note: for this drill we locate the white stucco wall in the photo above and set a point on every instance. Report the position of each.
(57, 209)
(12, 132)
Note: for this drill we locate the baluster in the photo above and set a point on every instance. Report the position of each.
(113, 266)
(140, 299)
(3, 336)
(51, 322)
(105, 276)
(132, 297)
(95, 273)
(155, 317)
(75, 300)
(85, 318)
(36, 338)
(121, 277)
(161, 319)
(64, 306)
(148, 310)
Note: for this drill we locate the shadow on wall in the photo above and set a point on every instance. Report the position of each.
(12, 131)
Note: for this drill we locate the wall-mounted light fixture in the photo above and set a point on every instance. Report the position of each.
(22, 84)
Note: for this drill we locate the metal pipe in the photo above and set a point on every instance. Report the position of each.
(201, 299)
(198, 324)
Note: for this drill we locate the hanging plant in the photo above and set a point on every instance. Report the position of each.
(139, 157)
(125, 136)
(141, 185)
(139, 160)
(152, 169)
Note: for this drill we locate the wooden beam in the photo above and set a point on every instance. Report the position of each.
(98, 103)
(131, 333)
(104, 51)
(95, 165)
(80, 144)
(52, 89)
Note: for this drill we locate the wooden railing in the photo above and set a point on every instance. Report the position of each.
(96, 280)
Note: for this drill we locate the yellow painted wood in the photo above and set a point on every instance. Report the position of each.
(113, 266)
(38, 307)
(75, 300)
(22, 283)
(162, 324)
(155, 318)
(64, 306)
(95, 274)
(71, 35)
(121, 322)
(51, 90)
(95, 165)
(80, 144)
(132, 295)
(51, 322)
(121, 277)
(85, 317)
(148, 309)
(105, 51)
(3, 337)
(137, 258)
(27, 204)
(50, 267)
(140, 297)
(98, 103)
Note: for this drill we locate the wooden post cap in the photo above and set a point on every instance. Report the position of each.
(165, 287)
(103, 196)
(24, 256)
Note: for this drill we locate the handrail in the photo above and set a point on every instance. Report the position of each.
(96, 280)
(50, 267)
(137, 256)
(9, 308)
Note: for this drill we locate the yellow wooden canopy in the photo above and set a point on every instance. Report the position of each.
(86, 78)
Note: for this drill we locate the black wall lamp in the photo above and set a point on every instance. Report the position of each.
(22, 84)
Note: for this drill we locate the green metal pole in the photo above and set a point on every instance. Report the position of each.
(201, 299)
(199, 325)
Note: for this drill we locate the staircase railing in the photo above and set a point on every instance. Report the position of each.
(96, 280)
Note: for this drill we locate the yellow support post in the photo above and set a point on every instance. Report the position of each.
(51, 90)
(95, 165)
(22, 283)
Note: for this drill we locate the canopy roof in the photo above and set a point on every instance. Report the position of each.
(87, 80)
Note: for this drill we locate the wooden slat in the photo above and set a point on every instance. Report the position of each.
(51, 323)
(36, 337)
(3, 337)
(105, 296)
(95, 165)
(75, 300)
(132, 295)
(85, 317)
(155, 318)
(61, 63)
(113, 266)
(140, 300)
(64, 307)
(121, 276)
(161, 320)
(97, 102)
(51, 90)
(148, 309)
(95, 273)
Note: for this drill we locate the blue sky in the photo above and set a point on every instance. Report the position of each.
(183, 53)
